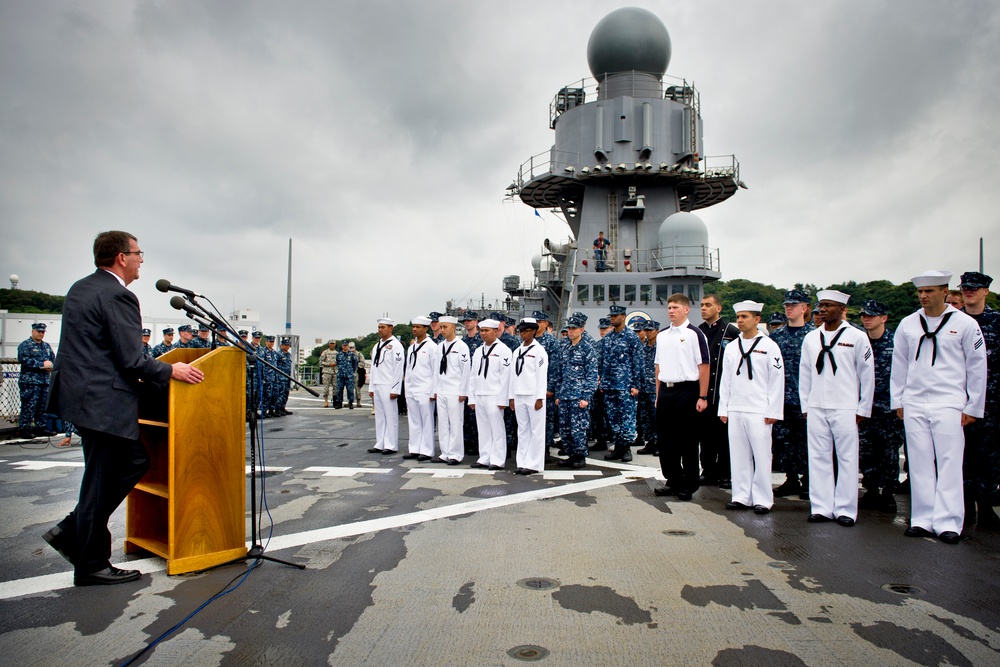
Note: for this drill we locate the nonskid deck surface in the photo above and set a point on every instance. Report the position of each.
(422, 564)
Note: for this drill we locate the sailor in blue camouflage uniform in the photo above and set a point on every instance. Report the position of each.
(36, 358)
(881, 435)
(620, 376)
(269, 354)
(347, 367)
(470, 433)
(638, 325)
(776, 321)
(579, 382)
(435, 335)
(185, 336)
(146, 349)
(203, 340)
(645, 414)
(251, 369)
(168, 342)
(789, 435)
(553, 349)
(981, 468)
(284, 363)
(507, 338)
(599, 430)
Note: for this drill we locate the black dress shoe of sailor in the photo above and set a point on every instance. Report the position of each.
(388, 452)
(917, 531)
(423, 458)
(818, 518)
(664, 491)
(760, 509)
(733, 505)
(845, 521)
(495, 468)
(56, 539)
(374, 450)
(950, 537)
(684, 495)
(477, 464)
(453, 462)
(106, 577)
(438, 459)
(410, 456)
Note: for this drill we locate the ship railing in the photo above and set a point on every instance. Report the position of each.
(549, 162)
(665, 258)
(10, 397)
(580, 92)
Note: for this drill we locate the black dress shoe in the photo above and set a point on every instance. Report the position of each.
(760, 509)
(818, 518)
(579, 463)
(528, 471)
(286, 412)
(57, 540)
(664, 491)
(477, 464)
(106, 577)
(917, 531)
(845, 521)
(684, 495)
(46, 433)
(950, 537)
(374, 450)
(495, 468)
(646, 450)
(350, 406)
(626, 457)
(423, 457)
(565, 463)
(438, 459)
(733, 505)
(388, 452)
(609, 457)
(26, 433)
(410, 456)
(453, 462)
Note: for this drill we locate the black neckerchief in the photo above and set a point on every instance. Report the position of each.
(413, 358)
(828, 350)
(379, 349)
(443, 370)
(745, 356)
(484, 361)
(930, 335)
(519, 363)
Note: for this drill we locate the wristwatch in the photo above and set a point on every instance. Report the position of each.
(703, 398)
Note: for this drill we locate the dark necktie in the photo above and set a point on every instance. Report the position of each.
(444, 359)
(484, 361)
(828, 350)
(379, 350)
(745, 356)
(519, 364)
(413, 355)
(931, 336)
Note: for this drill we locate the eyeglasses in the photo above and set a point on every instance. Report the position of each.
(135, 252)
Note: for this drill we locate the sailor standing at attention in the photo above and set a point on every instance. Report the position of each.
(385, 385)
(452, 390)
(836, 390)
(751, 399)
(418, 379)
(528, 385)
(937, 387)
(489, 394)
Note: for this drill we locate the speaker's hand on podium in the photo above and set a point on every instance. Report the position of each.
(186, 373)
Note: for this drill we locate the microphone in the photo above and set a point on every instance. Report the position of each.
(164, 286)
(179, 303)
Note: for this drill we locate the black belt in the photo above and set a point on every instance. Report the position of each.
(668, 385)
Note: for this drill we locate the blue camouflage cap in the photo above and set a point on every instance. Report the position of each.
(186, 328)
(577, 321)
(270, 339)
(602, 323)
(777, 318)
(651, 325)
(38, 326)
(616, 310)
(975, 280)
(495, 315)
(434, 315)
(509, 321)
(539, 316)
(470, 315)
(168, 331)
(873, 307)
(286, 341)
(796, 296)
(147, 332)
(243, 333)
(202, 327)
(257, 334)
(583, 315)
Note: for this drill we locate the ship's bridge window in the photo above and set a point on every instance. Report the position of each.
(645, 293)
(694, 293)
(614, 292)
(630, 292)
(598, 293)
(662, 292)
(582, 293)
(677, 289)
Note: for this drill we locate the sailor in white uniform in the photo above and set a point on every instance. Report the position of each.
(385, 384)
(418, 379)
(836, 390)
(452, 390)
(751, 399)
(489, 395)
(528, 385)
(937, 386)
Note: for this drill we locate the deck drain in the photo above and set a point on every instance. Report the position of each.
(491, 491)
(904, 589)
(779, 565)
(538, 584)
(528, 652)
(678, 533)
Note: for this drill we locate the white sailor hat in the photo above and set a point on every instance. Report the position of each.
(421, 319)
(489, 324)
(751, 306)
(832, 295)
(447, 319)
(932, 278)
(386, 320)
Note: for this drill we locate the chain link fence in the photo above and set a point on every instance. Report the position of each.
(10, 395)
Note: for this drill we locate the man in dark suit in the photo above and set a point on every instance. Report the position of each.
(95, 384)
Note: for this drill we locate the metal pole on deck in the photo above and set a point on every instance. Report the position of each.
(288, 294)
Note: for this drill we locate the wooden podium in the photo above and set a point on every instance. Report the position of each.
(190, 508)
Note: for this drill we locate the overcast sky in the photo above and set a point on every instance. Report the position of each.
(380, 137)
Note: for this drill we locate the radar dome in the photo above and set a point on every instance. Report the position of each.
(536, 262)
(629, 39)
(683, 240)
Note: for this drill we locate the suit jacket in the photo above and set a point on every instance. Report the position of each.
(95, 378)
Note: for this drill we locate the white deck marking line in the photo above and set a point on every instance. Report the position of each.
(45, 465)
(344, 472)
(53, 582)
(270, 469)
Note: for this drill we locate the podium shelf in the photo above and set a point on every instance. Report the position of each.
(153, 488)
(151, 422)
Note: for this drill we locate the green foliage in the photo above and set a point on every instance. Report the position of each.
(28, 301)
